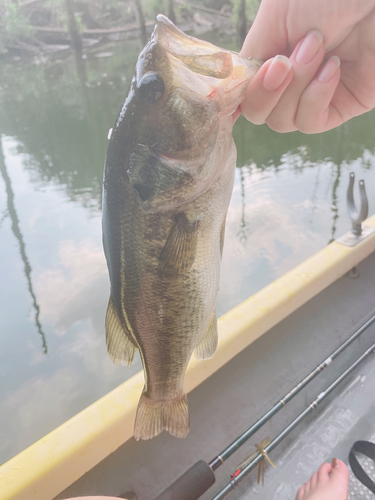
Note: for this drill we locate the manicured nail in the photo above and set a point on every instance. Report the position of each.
(335, 463)
(329, 70)
(309, 47)
(276, 73)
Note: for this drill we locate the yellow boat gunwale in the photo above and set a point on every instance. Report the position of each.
(54, 462)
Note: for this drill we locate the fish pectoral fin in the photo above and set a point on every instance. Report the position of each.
(207, 346)
(153, 417)
(121, 348)
(179, 251)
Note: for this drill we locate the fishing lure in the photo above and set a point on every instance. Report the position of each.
(262, 466)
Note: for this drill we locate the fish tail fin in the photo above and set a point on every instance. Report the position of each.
(154, 416)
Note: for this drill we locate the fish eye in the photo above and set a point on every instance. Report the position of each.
(151, 87)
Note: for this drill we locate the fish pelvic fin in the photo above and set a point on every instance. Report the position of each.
(154, 416)
(207, 346)
(120, 347)
(180, 248)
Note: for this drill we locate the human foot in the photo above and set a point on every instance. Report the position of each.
(329, 483)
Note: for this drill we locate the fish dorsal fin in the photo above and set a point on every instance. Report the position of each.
(121, 348)
(206, 347)
(179, 250)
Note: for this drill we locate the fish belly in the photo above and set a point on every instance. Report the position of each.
(176, 314)
(165, 310)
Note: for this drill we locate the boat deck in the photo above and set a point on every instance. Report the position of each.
(246, 387)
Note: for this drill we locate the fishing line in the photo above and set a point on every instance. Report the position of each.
(217, 461)
(230, 486)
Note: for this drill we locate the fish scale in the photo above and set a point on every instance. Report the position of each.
(168, 180)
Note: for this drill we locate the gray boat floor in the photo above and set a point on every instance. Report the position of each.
(244, 389)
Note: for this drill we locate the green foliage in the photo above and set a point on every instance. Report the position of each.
(17, 17)
(211, 4)
(151, 8)
(16, 24)
(252, 7)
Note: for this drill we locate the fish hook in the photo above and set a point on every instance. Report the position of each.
(357, 217)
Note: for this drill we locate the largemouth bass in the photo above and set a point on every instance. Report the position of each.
(168, 180)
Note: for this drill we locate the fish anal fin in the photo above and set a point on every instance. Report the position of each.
(154, 416)
(178, 254)
(207, 346)
(120, 347)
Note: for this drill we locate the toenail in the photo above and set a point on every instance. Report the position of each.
(335, 463)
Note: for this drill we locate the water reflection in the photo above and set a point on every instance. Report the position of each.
(244, 230)
(260, 149)
(288, 202)
(335, 211)
(60, 113)
(11, 211)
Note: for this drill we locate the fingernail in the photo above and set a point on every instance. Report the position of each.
(309, 47)
(329, 69)
(276, 73)
(335, 463)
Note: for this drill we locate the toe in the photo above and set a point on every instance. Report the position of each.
(340, 477)
(301, 493)
(323, 474)
(307, 486)
(314, 480)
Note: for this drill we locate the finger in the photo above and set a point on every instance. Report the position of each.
(266, 88)
(316, 111)
(306, 60)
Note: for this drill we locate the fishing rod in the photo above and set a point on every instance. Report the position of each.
(217, 461)
(196, 480)
(263, 453)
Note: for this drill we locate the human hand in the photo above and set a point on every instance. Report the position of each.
(311, 91)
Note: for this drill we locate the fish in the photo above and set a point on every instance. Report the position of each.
(168, 180)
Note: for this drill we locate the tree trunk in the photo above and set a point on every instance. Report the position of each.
(75, 37)
(171, 15)
(241, 21)
(140, 20)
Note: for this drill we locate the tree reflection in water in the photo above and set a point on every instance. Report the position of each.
(59, 112)
(11, 211)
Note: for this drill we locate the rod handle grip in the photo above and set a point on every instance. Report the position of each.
(191, 485)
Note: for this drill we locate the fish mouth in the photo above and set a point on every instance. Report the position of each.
(189, 85)
(218, 74)
(199, 56)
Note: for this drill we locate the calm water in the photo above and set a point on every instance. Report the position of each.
(288, 202)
